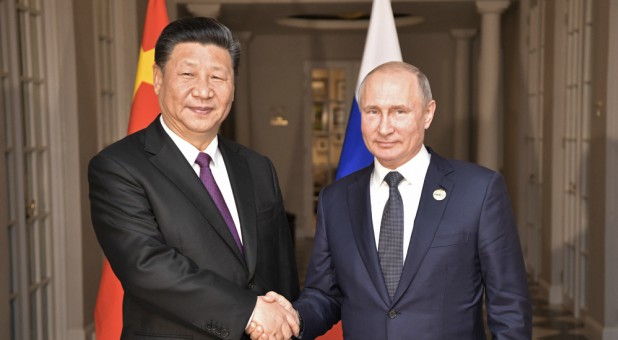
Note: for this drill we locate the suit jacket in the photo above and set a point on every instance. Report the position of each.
(166, 241)
(461, 246)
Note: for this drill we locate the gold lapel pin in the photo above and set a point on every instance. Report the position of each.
(439, 194)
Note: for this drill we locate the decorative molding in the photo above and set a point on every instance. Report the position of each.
(63, 142)
(492, 6)
(324, 24)
(611, 182)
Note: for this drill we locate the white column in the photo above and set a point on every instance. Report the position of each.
(461, 125)
(489, 132)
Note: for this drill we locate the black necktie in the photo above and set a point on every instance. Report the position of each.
(390, 246)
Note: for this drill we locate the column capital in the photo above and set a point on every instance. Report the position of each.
(492, 6)
(463, 34)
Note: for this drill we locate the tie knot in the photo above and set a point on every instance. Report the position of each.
(393, 178)
(203, 160)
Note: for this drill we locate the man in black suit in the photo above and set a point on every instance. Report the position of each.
(193, 262)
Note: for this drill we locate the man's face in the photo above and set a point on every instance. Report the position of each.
(196, 91)
(393, 116)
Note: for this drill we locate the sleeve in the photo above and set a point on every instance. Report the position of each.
(502, 264)
(319, 304)
(151, 271)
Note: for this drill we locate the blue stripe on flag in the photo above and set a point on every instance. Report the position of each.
(382, 45)
(354, 154)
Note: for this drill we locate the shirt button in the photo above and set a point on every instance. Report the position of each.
(392, 313)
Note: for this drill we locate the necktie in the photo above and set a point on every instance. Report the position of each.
(390, 246)
(203, 160)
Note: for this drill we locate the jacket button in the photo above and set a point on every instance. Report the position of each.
(392, 313)
(250, 285)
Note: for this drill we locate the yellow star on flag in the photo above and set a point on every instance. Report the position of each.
(144, 68)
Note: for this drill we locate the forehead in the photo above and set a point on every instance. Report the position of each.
(393, 84)
(193, 52)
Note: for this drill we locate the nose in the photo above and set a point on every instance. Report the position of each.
(386, 126)
(202, 89)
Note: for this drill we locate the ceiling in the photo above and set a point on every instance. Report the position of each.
(260, 17)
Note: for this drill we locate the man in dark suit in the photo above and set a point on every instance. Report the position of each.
(413, 245)
(193, 224)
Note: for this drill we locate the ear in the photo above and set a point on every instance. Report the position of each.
(428, 114)
(157, 78)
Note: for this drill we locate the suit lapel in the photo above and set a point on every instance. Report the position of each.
(240, 178)
(170, 161)
(427, 219)
(359, 204)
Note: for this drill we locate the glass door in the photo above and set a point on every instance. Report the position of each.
(25, 202)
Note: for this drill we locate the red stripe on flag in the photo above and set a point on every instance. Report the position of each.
(108, 310)
(145, 108)
(155, 22)
(335, 333)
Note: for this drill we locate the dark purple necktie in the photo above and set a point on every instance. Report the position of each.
(203, 160)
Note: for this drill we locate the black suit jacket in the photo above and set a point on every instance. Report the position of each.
(170, 248)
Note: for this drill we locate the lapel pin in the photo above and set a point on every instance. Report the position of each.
(439, 194)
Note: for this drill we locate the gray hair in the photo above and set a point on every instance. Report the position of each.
(423, 82)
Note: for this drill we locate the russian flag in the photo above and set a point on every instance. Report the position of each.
(381, 45)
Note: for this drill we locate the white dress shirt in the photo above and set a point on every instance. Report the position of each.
(217, 166)
(410, 188)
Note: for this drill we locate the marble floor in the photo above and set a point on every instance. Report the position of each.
(553, 322)
(549, 322)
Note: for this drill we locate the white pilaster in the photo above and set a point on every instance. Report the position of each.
(488, 132)
(461, 125)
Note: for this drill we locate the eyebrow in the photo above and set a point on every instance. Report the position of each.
(190, 62)
(392, 107)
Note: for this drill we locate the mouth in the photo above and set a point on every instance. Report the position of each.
(201, 109)
(385, 144)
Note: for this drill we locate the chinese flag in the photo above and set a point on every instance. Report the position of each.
(145, 108)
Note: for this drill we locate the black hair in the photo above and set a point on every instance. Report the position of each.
(206, 31)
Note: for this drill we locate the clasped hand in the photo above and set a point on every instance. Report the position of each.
(273, 318)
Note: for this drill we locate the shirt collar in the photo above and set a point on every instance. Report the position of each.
(188, 150)
(412, 171)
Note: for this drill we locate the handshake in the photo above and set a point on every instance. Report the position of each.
(273, 318)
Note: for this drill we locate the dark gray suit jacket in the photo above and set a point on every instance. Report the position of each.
(170, 248)
(462, 246)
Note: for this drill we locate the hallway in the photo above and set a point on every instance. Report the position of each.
(549, 322)
(553, 322)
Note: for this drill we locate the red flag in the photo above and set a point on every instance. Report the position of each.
(145, 108)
